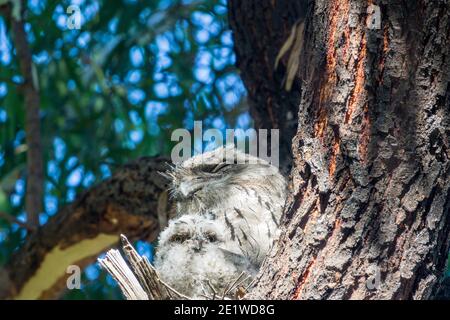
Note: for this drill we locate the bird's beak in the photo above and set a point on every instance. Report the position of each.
(185, 188)
(188, 188)
(198, 245)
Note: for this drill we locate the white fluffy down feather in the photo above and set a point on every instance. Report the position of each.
(195, 249)
(228, 214)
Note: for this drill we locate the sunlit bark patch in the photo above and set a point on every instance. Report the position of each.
(334, 153)
(360, 78)
(304, 278)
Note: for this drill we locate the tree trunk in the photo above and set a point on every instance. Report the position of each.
(368, 212)
(133, 202)
(259, 30)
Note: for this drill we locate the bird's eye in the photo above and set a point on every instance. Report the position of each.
(207, 168)
(211, 237)
(213, 168)
(180, 238)
(220, 166)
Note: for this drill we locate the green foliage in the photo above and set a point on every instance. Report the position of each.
(110, 92)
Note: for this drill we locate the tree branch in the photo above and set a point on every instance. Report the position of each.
(127, 202)
(35, 176)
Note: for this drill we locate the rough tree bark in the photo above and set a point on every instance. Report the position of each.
(133, 202)
(368, 212)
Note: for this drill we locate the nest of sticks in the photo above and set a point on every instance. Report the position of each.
(139, 280)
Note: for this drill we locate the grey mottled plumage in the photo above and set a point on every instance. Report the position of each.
(242, 199)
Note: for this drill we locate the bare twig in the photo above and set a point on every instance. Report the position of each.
(141, 281)
(147, 275)
(13, 219)
(119, 270)
(212, 289)
(232, 284)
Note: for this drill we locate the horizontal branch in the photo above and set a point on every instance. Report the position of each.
(129, 202)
